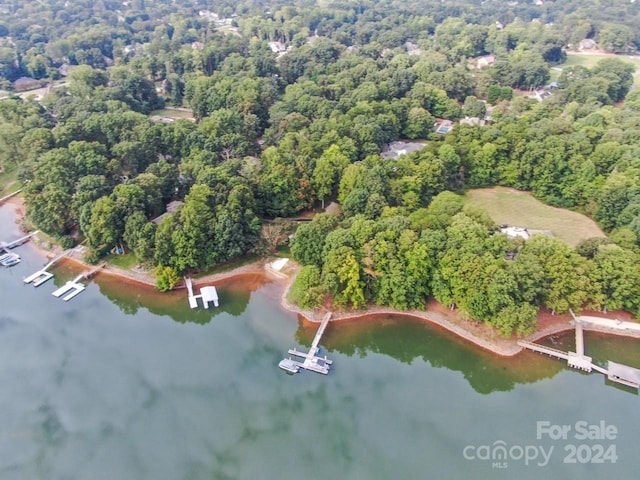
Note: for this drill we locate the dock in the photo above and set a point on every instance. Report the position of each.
(7, 246)
(312, 361)
(42, 275)
(73, 287)
(615, 372)
(70, 289)
(7, 197)
(208, 294)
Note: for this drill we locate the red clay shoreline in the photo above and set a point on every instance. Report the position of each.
(436, 314)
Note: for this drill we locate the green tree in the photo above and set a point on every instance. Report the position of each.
(328, 170)
(167, 278)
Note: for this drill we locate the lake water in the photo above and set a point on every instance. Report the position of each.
(125, 383)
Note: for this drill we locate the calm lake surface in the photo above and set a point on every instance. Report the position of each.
(124, 383)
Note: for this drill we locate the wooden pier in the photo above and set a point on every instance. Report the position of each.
(311, 360)
(615, 372)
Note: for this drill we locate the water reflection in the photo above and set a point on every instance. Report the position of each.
(130, 297)
(407, 339)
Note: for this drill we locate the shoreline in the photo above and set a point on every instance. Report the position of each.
(436, 315)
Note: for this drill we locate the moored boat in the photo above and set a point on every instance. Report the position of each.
(9, 259)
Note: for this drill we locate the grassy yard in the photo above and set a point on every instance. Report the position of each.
(521, 209)
(8, 182)
(590, 61)
(126, 261)
(228, 266)
(175, 113)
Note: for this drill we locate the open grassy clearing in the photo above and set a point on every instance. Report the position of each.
(589, 60)
(173, 112)
(126, 261)
(8, 181)
(521, 209)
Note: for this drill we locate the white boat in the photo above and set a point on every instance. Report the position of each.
(289, 365)
(9, 259)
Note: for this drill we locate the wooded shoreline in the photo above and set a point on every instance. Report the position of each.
(436, 315)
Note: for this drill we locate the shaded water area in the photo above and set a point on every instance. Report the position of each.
(123, 382)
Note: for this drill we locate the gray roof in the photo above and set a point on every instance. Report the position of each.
(625, 372)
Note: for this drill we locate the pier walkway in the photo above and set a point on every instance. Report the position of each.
(311, 360)
(42, 275)
(615, 372)
(6, 246)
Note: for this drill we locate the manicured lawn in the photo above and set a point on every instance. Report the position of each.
(521, 209)
(590, 61)
(176, 113)
(126, 261)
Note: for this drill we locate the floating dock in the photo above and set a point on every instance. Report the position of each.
(70, 289)
(74, 287)
(208, 294)
(9, 258)
(38, 278)
(615, 372)
(311, 360)
(42, 276)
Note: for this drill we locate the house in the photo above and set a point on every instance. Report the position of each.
(473, 121)
(485, 61)
(26, 83)
(516, 232)
(171, 207)
(588, 44)
(542, 95)
(277, 47)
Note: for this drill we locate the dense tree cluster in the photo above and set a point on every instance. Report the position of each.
(455, 254)
(294, 101)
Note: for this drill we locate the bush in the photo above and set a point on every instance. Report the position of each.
(67, 241)
(167, 278)
(92, 257)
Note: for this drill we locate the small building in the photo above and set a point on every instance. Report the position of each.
(542, 95)
(588, 44)
(277, 47)
(485, 61)
(516, 232)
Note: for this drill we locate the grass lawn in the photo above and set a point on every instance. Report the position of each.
(227, 266)
(521, 209)
(590, 61)
(126, 261)
(171, 112)
(8, 183)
